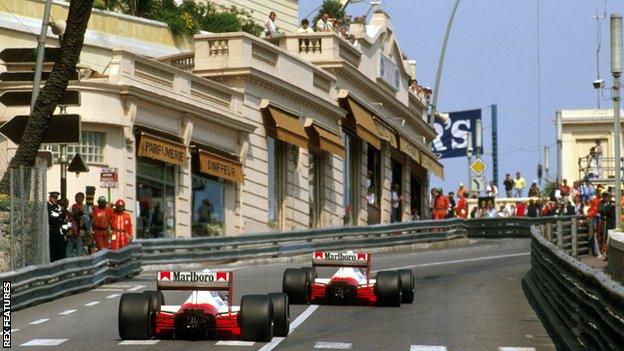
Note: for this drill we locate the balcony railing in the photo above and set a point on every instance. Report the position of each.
(599, 169)
(322, 46)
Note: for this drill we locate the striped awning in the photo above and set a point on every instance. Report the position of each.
(161, 149)
(325, 140)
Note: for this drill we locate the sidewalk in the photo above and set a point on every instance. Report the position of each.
(596, 262)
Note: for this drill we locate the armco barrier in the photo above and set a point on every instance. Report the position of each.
(36, 284)
(582, 306)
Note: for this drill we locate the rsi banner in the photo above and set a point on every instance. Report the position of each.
(452, 135)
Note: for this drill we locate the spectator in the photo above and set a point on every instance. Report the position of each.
(461, 191)
(502, 212)
(81, 226)
(519, 184)
(121, 225)
(452, 203)
(270, 29)
(520, 209)
(586, 191)
(432, 199)
(461, 210)
(441, 205)
(370, 196)
(578, 206)
(305, 27)
(509, 185)
(569, 209)
(368, 182)
(102, 216)
(533, 210)
(575, 191)
(55, 222)
(511, 210)
(395, 200)
(490, 211)
(474, 213)
(415, 214)
(534, 190)
(491, 189)
(413, 87)
(565, 190)
(596, 156)
(324, 24)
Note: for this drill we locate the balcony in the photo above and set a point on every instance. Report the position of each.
(601, 170)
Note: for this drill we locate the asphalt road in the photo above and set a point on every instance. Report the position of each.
(467, 298)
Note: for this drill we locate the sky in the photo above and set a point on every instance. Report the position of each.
(492, 58)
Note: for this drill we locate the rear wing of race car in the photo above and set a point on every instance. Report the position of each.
(196, 281)
(342, 259)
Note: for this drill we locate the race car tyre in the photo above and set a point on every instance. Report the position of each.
(296, 285)
(311, 271)
(157, 299)
(407, 285)
(281, 314)
(134, 317)
(388, 288)
(256, 318)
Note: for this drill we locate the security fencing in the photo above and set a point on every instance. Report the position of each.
(36, 284)
(583, 307)
(27, 240)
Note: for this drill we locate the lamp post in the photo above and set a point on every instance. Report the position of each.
(559, 126)
(616, 70)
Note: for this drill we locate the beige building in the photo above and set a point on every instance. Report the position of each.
(580, 130)
(287, 11)
(239, 134)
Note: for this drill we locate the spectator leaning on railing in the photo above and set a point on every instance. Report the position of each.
(305, 27)
(270, 29)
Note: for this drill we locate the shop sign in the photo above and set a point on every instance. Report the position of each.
(386, 134)
(162, 150)
(109, 178)
(410, 150)
(220, 167)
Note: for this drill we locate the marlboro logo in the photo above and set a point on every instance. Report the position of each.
(193, 277)
(339, 256)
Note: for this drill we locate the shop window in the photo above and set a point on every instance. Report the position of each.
(91, 148)
(315, 179)
(156, 199)
(208, 206)
(351, 180)
(277, 179)
(373, 175)
(396, 191)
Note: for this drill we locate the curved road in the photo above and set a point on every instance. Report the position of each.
(467, 298)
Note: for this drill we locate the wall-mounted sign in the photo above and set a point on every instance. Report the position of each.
(109, 178)
(162, 150)
(389, 72)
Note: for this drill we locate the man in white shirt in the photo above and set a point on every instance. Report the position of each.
(492, 189)
(324, 24)
(395, 201)
(269, 25)
(305, 27)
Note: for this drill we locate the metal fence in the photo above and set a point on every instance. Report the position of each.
(28, 235)
(582, 307)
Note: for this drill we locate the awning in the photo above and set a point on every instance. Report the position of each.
(429, 161)
(161, 149)
(386, 133)
(325, 140)
(219, 166)
(284, 126)
(364, 123)
(409, 149)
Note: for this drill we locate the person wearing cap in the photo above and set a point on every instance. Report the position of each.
(55, 224)
(461, 191)
(534, 190)
(121, 226)
(102, 216)
(441, 205)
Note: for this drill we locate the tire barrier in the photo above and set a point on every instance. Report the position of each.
(582, 307)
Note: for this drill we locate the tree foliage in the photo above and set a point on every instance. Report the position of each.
(187, 17)
(333, 8)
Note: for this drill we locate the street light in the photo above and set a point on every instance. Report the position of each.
(616, 70)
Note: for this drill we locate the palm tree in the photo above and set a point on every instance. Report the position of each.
(55, 86)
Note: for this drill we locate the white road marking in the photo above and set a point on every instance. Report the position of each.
(333, 345)
(14, 330)
(65, 313)
(108, 290)
(92, 303)
(487, 258)
(113, 296)
(44, 342)
(234, 343)
(136, 288)
(297, 322)
(427, 348)
(139, 342)
(39, 321)
(516, 349)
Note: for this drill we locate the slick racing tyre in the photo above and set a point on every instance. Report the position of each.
(256, 318)
(157, 299)
(388, 288)
(407, 285)
(311, 271)
(134, 317)
(296, 285)
(281, 314)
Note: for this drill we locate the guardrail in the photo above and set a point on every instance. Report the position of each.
(279, 243)
(36, 284)
(581, 305)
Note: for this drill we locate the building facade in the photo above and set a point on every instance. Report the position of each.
(239, 134)
(287, 11)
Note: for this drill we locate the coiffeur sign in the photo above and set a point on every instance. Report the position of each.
(218, 166)
(162, 150)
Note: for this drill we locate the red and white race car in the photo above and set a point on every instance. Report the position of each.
(351, 284)
(208, 313)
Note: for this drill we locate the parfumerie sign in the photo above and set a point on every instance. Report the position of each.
(162, 150)
(218, 166)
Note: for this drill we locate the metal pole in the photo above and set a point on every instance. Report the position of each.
(469, 157)
(495, 144)
(616, 70)
(434, 99)
(40, 53)
(559, 124)
(63, 162)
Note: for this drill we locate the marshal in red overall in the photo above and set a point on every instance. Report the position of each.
(351, 284)
(208, 313)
